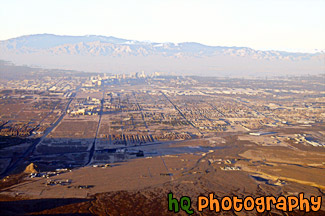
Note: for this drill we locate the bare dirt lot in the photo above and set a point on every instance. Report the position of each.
(142, 185)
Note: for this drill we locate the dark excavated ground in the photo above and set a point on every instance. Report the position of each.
(129, 189)
(114, 203)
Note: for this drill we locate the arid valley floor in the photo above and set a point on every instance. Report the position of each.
(114, 144)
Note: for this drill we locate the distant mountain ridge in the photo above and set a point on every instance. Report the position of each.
(47, 49)
(103, 45)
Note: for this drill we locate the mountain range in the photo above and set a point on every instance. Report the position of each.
(95, 53)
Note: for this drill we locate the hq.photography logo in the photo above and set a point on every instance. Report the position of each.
(248, 203)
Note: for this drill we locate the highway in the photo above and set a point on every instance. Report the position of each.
(30, 150)
(176, 108)
(93, 147)
(143, 119)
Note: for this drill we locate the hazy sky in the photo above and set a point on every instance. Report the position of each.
(292, 25)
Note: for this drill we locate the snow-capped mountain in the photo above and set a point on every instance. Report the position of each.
(49, 50)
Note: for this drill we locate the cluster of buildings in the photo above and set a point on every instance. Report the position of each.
(18, 129)
(89, 106)
(304, 139)
(46, 83)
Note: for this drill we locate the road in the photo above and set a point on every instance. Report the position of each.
(93, 147)
(245, 103)
(143, 119)
(37, 141)
(176, 108)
